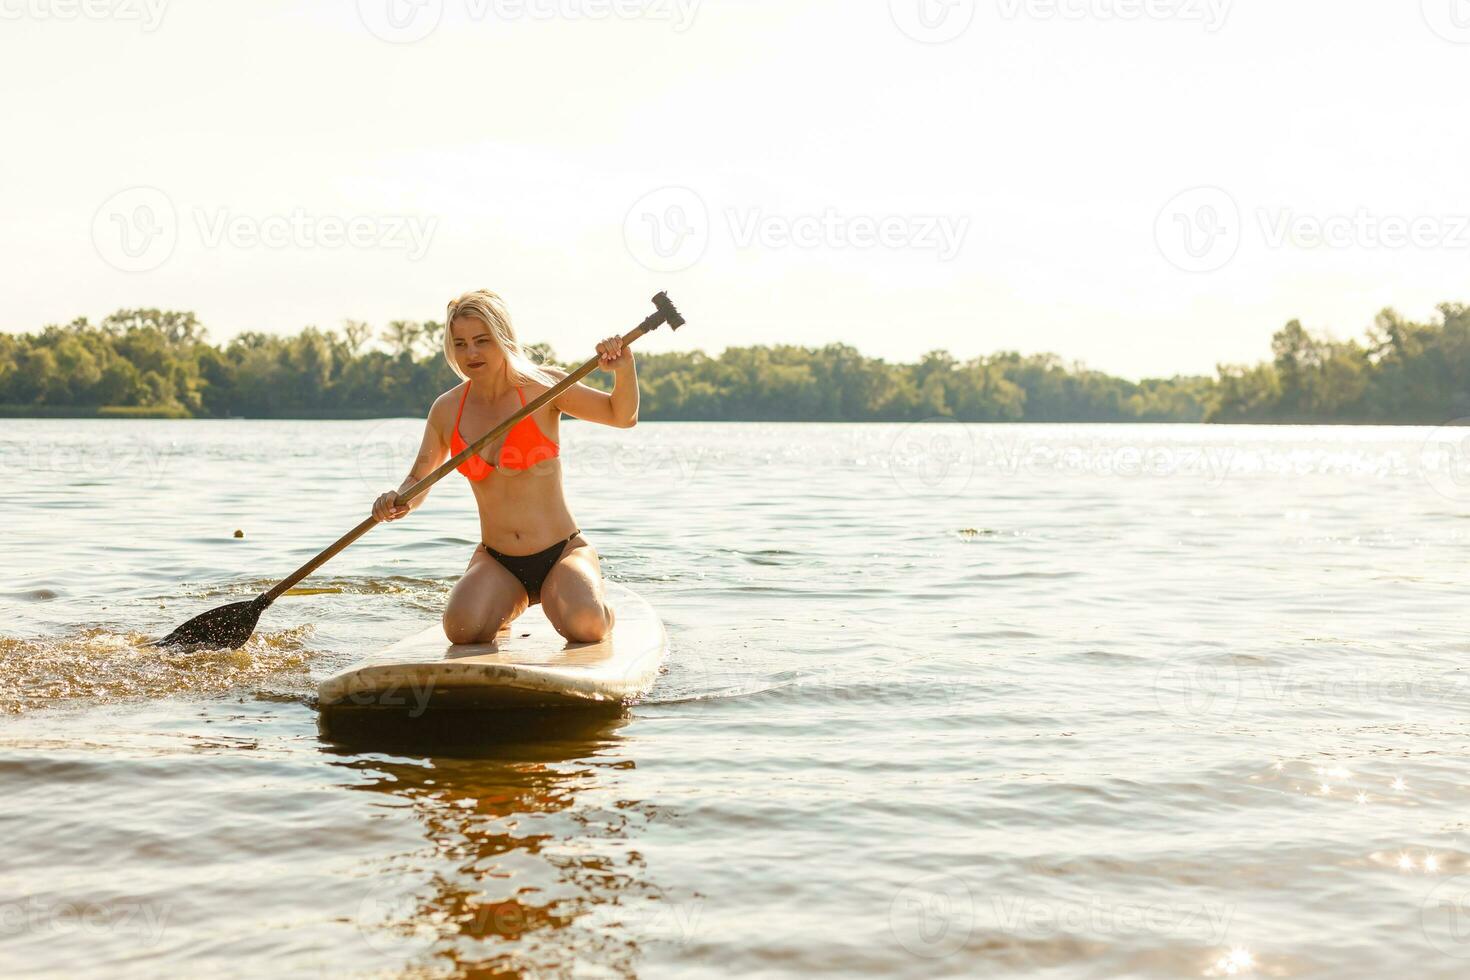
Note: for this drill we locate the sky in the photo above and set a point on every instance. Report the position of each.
(1150, 187)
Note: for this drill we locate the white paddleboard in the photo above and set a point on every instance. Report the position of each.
(529, 665)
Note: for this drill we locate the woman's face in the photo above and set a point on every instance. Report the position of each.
(474, 348)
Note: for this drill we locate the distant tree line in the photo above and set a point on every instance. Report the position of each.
(1402, 372)
(155, 362)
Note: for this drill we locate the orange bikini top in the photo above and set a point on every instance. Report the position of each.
(525, 446)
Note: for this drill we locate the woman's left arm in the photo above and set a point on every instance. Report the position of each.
(618, 409)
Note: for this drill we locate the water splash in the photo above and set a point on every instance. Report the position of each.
(100, 665)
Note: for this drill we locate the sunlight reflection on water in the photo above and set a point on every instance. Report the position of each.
(941, 700)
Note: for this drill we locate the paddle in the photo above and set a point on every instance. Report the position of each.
(230, 626)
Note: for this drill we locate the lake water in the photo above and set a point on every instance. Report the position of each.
(941, 700)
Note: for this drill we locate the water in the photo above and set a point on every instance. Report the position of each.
(1166, 701)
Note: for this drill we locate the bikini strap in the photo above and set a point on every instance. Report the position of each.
(461, 405)
(521, 394)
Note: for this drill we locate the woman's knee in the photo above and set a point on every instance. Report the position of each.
(587, 624)
(460, 627)
(480, 604)
(460, 630)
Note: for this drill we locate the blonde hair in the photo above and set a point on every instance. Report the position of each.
(489, 309)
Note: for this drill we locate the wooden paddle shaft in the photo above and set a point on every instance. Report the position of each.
(587, 368)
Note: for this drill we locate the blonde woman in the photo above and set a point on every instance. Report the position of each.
(531, 549)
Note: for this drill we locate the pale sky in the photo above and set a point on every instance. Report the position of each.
(899, 176)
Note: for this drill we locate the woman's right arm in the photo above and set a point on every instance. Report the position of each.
(433, 450)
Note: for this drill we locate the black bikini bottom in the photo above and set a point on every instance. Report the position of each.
(532, 570)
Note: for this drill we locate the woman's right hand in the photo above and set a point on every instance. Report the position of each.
(387, 507)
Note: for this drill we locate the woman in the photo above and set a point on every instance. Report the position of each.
(531, 549)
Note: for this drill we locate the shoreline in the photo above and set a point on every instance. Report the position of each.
(113, 412)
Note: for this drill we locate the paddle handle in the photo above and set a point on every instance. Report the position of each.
(651, 323)
(548, 395)
(275, 592)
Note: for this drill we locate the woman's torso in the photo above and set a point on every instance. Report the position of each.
(521, 509)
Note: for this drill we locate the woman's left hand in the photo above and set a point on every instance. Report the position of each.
(613, 355)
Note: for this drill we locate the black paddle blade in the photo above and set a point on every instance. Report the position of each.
(225, 626)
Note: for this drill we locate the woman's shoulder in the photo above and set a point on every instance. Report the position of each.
(451, 395)
(442, 411)
(532, 387)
